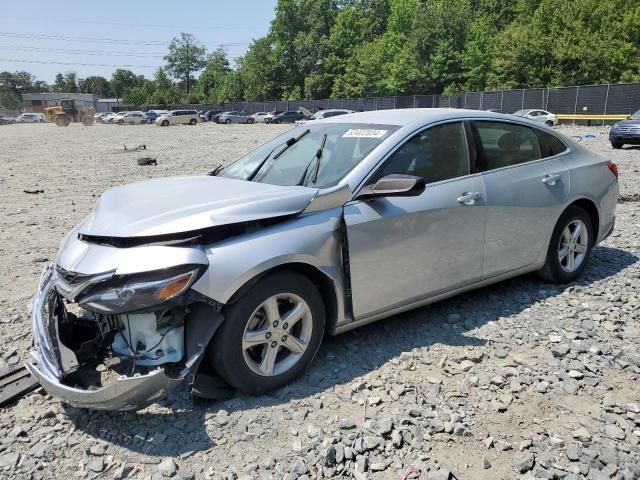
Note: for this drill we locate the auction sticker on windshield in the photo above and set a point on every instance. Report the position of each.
(364, 133)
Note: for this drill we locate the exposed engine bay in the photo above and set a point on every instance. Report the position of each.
(109, 346)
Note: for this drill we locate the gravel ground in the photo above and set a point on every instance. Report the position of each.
(518, 380)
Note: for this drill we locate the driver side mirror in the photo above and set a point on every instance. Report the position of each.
(394, 185)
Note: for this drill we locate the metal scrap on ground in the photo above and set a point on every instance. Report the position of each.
(15, 382)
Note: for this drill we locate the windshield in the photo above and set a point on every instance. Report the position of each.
(635, 116)
(346, 145)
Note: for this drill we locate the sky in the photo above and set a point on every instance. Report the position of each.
(92, 37)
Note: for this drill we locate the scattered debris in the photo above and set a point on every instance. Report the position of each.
(15, 382)
(147, 161)
(135, 149)
(33, 190)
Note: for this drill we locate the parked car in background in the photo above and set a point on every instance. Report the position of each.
(210, 114)
(259, 117)
(131, 118)
(269, 116)
(152, 115)
(31, 118)
(6, 119)
(99, 117)
(325, 228)
(109, 117)
(178, 117)
(542, 116)
(235, 117)
(322, 114)
(626, 132)
(216, 117)
(288, 117)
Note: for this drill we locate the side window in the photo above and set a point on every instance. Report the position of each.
(435, 154)
(550, 145)
(503, 144)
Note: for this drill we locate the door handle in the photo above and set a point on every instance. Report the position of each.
(469, 198)
(551, 179)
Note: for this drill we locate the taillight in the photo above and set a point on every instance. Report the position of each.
(613, 168)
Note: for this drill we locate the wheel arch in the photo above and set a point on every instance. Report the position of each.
(590, 207)
(324, 283)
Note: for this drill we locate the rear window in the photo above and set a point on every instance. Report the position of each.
(502, 144)
(550, 145)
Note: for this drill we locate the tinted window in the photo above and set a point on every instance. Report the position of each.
(550, 145)
(437, 153)
(503, 144)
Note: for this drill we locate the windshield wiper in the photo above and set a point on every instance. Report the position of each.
(216, 171)
(316, 158)
(288, 144)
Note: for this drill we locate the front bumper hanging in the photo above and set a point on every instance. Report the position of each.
(51, 361)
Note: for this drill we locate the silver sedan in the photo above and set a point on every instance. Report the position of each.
(323, 229)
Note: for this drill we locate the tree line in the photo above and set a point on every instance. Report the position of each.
(353, 48)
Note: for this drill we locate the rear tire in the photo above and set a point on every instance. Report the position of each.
(193, 121)
(253, 333)
(549, 123)
(250, 121)
(616, 144)
(569, 248)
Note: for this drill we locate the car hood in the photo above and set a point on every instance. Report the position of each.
(177, 205)
(625, 123)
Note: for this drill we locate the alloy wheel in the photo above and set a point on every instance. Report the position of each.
(277, 334)
(573, 246)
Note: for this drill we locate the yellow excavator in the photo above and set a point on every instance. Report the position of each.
(66, 112)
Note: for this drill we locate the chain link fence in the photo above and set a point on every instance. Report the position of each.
(608, 99)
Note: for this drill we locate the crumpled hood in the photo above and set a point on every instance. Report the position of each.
(184, 204)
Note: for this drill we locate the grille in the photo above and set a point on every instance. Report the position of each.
(72, 278)
(630, 129)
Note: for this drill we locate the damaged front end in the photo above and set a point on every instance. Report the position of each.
(109, 341)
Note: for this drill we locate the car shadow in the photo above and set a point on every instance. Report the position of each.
(179, 426)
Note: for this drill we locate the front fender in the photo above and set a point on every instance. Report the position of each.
(313, 239)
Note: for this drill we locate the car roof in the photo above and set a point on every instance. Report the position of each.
(402, 117)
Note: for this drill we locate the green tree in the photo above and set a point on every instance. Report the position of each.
(123, 81)
(212, 79)
(95, 84)
(165, 92)
(70, 82)
(258, 70)
(59, 84)
(185, 58)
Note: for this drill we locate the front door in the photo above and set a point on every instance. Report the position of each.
(405, 249)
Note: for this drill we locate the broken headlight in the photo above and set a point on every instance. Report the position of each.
(133, 293)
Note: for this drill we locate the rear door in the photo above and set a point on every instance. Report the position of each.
(526, 186)
(405, 249)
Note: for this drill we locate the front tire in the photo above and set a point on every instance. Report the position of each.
(270, 335)
(617, 144)
(193, 121)
(549, 123)
(165, 123)
(227, 121)
(570, 247)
